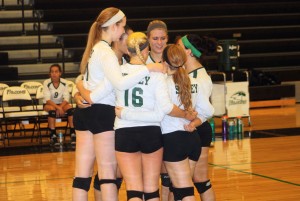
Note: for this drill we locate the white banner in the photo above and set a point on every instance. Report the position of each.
(237, 99)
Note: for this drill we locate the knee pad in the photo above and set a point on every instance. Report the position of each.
(202, 186)
(180, 193)
(149, 196)
(96, 182)
(165, 180)
(119, 182)
(134, 194)
(52, 113)
(70, 112)
(82, 183)
(107, 181)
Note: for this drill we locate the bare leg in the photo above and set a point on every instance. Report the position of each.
(180, 174)
(104, 144)
(84, 161)
(70, 118)
(151, 164)
(201, 175)
(51, 120)
(130, 165)
(97, 195)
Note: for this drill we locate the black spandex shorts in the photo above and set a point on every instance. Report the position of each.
(98, 118)
(180, 145)
(205, 133)
(146, 139)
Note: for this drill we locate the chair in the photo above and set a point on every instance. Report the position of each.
(2, 132)
(17, 106)
(71, 86)
(32, 87)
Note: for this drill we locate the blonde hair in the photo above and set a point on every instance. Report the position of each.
(177, 57)
(136, 42)
(95, 34)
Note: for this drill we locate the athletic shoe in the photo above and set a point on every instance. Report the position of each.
(53, 140)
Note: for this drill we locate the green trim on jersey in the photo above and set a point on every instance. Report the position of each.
(153, 59)
(195, 72)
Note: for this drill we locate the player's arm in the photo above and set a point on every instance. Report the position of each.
(113, 72)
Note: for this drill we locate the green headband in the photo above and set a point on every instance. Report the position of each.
(188, 45)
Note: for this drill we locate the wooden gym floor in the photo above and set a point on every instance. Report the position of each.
(264, 165)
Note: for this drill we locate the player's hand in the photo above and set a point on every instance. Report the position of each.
(60, 112)
(118, 111)
(80, 102)
(157, 67)
(190, 127)
(190, 115)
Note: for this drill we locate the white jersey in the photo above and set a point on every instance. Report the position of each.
(201, 75)
(170, 124)
(103, 74)
(57, 95)
(205, 88)
(149, 93)
(150, 60)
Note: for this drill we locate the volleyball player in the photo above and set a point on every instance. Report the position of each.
(120, 49)
(196, 48)
(157, 33)
(56, 102)
(94, 124)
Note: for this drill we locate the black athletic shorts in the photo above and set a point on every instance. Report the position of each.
(98, 118)
(180, 145)
(146, 139)
(205, 133)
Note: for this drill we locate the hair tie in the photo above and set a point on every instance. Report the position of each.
(189, 45)
(142, 47)
(166, 59)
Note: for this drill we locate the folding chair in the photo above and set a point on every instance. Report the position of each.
(2, 132)
(71, 86)
(17, 106)
(31, 87)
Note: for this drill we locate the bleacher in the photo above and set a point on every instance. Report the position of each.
(268, 32)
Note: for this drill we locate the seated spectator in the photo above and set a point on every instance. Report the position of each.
(56, 97)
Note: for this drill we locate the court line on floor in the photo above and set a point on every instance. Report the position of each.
(265, 162)
(255, 174)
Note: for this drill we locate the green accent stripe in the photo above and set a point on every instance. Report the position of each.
(195, 72)
(255, 174)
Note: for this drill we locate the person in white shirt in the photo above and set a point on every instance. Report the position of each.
(120, 49)
(94, 124)
(56, 101)
(196, 47)
(181, 148)
(157, 33)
